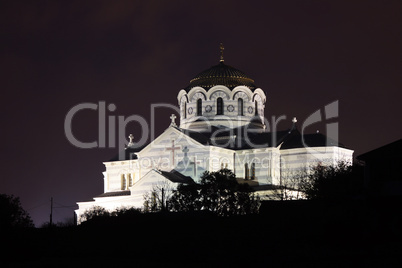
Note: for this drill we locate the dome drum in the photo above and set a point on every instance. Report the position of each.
(214, 99)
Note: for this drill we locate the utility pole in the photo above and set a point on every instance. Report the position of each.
(51, 212)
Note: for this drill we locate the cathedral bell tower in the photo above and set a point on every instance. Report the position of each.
(221, 96)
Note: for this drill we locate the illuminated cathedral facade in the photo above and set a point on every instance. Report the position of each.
(222, 125)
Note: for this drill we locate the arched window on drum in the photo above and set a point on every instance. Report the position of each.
(199, 107)
(219, 106)
(256, 108)
(240, 106)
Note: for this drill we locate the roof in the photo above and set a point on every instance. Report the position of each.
(244, 138)
(117, 193)
(391, 150)
(296, 140)
(265, 187)
(177, 177)
(221, 74)
(237, 138)
(173, 176)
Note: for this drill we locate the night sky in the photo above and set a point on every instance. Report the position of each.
(303, 54)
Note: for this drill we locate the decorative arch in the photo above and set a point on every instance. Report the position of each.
(198, 96)
(219, 91)
(259, 103)
(241, 95)
(242, 90)
(182, 93)
(258, 91)
(256, 97)
(196, 90)
(184, 98)
(259, 99)
(219, 94)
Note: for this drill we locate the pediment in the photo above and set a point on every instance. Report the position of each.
(173, 149)
(169, 139)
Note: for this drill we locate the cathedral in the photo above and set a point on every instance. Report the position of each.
(222, 125)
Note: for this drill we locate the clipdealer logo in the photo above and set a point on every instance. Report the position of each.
(107, 122)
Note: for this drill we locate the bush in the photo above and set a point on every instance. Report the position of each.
(219, 192)
(12, 215)
(339, 181)
(95, 212)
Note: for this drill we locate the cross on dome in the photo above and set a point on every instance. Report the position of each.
(222, 48)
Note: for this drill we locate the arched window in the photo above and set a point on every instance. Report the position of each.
(123, 182)
(246, 171)
(199, 107)
(240, 104)
(219, 106)
(253, 171)
(185, 110)
(130, 180)
(256, 108)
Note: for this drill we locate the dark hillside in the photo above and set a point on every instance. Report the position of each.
(361, 233)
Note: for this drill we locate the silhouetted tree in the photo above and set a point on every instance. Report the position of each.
(330, 182)
(67, 222)
(290, 186)
(100, 214)
(12, 214)
(186, 198)
(218, 192)
(157, 199)
(126, 212)
(93, 213)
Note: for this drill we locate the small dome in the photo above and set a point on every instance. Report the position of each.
(221, 74)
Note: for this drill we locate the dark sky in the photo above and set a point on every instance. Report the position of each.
(303, 54)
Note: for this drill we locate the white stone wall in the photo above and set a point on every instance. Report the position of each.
(114, 172)
(265, 162)
(158, 156)
(149, 182)
(270, 165)
(294, 160)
